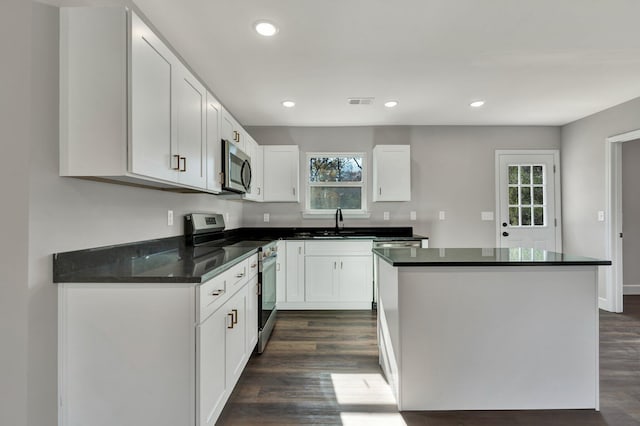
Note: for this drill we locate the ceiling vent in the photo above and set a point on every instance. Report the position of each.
(360, 101)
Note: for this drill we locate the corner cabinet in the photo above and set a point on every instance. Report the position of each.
(392, 173)
(281, 173)
(160, 354)
(130, 110)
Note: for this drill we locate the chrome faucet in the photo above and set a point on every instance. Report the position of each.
(339, 217)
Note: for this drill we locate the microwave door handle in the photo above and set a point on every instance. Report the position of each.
(245, 165)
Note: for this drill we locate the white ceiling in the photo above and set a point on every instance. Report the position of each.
(534, 62)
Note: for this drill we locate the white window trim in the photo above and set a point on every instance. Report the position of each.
(362, 213)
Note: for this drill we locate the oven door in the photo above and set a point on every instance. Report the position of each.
(236, 168)
(266, 301)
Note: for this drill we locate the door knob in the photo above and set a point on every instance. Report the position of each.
(505, 234)
(504, 224)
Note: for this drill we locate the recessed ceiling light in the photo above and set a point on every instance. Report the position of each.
(265, 28)
(476, 104)
(288, 104)
(391, 104)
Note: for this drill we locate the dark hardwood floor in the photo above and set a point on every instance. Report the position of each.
(321, 368)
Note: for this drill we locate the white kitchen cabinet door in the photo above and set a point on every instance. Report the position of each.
(232, 131)
(321, 279)
(252, 314)
(356, 278)
(295, 271)
(392, 173)
(191, 97)
(236, 354)
(281, 273)
(153, 65)
(214, 147)
(255, 154)
(212, 391)
(281, 173)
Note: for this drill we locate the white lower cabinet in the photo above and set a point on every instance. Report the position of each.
(328, 275)
(149, 354)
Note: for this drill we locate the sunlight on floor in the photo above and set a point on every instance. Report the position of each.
(372, 419)
(370, 389)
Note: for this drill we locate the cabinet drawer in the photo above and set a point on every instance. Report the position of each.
(216, 291)
(338, 248)
(252, 266)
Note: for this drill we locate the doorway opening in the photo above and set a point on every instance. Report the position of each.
(614, 289)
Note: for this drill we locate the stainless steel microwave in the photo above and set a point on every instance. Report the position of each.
(236, 168)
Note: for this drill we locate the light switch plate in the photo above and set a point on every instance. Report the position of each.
(169, 217)
(600, 216)
(486, 215)
(441, 215)
(266, 217)
(412, 215)
(385, 216)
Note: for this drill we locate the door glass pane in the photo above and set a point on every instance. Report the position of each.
(328, 197)
(526, 216)
(513, 195)
(513, 175)
(538, 195)
(514, 216)
(525, 195)
(537, 175)
(538, 216)
(525, 175)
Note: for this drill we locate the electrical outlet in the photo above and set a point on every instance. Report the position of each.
(169, 217)
(486, 215)
(441, 215)
(385, 215)
(412, 215)
(266, 217)
(600, 216)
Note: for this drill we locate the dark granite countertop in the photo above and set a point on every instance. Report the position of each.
(481, 257)
(172, 260)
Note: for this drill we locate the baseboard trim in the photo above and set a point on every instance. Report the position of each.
(631, 289)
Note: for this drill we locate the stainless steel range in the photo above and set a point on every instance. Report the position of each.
(205, 233)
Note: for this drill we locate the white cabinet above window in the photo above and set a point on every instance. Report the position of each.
(391, 173)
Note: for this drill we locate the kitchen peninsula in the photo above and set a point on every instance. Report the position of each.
(488, 329)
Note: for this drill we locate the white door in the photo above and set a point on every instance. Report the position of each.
(528, 199)
(211, 371)
(321, 279)
(214, 148)
(356, 279)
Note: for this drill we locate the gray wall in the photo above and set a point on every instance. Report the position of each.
(69, 214)
(631, 216)
(452, 169)
(583, 178)
(14, 191)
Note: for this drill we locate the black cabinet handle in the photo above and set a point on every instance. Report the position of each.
(504, 224)
(505, 234)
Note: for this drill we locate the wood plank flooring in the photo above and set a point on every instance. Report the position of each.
(321, 368)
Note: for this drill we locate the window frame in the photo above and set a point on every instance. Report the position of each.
(362, 211)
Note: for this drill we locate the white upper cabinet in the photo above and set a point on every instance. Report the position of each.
(281, 173)
(214, 147)
(255, 153)
(391, 173)
(191, 121)
(232, 131)
(130, 110)
(152, 141)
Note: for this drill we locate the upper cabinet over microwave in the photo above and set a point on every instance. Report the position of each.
(131, 111)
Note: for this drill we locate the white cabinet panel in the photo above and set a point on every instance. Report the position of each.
(252, 314)
(152, 68)
(254, 151)
(236, 353)
(321, 280)
(214, 147)
(281, 173)
(211, 366)
(295, 264)
(232, 131)
(190, 103)
(392, 173)
(356, 278)
(281, 272)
